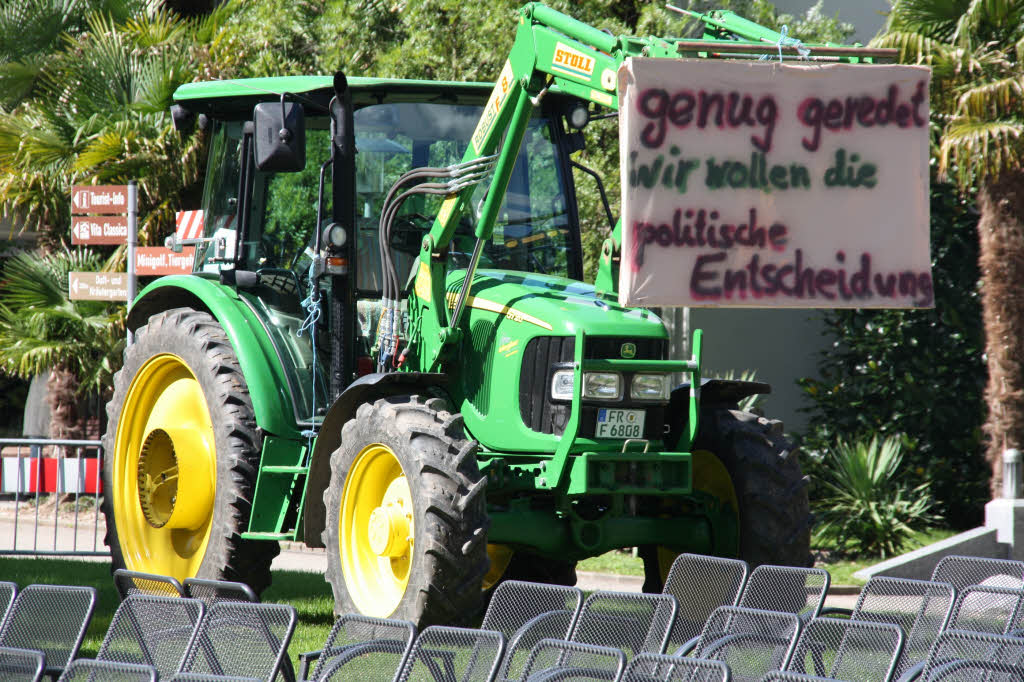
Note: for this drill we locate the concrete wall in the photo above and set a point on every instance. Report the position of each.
(780, 345)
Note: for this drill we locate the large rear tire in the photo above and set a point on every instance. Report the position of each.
(765, 484)
(182, 453)
(406, 532)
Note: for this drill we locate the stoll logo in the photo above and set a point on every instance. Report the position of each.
(571, 61)
(628, 350)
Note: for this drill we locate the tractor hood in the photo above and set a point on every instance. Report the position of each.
(555, 305)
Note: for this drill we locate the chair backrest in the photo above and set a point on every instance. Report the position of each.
(984, 608)
(980, 647)
(629, 621)
(51, 619)
(152, 630)
(554, 659)
(789, 589)
(700, 585)
(135, 582)
(364, 648)
(454, 655)
(921, 607)
(210, 591)
(20, 665)
(847, 649)
(515, 603)
(8, 591)
(244, 639)
(526, 613)
(751, 642)
(661, 668)
(90, 670)
(963, 571)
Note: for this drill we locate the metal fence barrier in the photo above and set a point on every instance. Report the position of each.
(37, 473)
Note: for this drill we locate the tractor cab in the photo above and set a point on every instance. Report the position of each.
(267, 222)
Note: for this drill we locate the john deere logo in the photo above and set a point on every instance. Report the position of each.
(628, 350)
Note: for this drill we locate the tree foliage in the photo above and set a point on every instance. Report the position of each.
(919, 373)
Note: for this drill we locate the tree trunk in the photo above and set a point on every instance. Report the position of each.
(62, 390)
(1001, 240)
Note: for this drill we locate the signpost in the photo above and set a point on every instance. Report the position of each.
(98, 218)
(99, 199)
(106, 230)
(158, 260)
(98, 286)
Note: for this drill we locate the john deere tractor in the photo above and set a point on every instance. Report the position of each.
(386, 349)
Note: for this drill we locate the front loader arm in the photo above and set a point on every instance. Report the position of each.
(552, 51)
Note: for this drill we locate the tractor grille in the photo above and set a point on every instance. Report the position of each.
(543, 415)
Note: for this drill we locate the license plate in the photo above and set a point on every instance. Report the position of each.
(620, 423)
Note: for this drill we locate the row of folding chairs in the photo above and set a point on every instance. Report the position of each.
(148, 635)
(711, 608)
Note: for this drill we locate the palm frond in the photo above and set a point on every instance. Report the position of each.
(992, 98)
(157, 29)
(936, 20)
(976, 147)
(914, 47)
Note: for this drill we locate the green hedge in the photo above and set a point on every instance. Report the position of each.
(920, 373)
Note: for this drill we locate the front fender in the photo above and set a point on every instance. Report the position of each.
(256, 356)
(365, 389)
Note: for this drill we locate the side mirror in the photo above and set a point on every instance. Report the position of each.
(280, 137)
(184, 120)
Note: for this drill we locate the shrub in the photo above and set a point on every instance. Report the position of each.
(917, 373)
(866, 506)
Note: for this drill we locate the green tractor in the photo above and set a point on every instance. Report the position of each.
(386, 349)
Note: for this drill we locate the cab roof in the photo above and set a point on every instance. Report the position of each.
(232, 99)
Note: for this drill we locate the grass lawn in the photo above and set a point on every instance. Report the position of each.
(842, 570)
(307, 592)
(624, 563)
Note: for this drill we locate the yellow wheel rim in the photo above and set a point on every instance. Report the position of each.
(500, 556)
(376, 531)
(164, 470)
(711, 476)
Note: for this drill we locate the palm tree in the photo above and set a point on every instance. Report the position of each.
(93, 109)
(41, 330)
(86, 87)
(975, 50)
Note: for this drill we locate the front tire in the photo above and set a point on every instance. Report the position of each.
(182, 452)
(747, 463)
(406, 531)
(771, 489)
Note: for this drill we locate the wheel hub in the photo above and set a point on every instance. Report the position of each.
(171, 459)
(388, 533)
(158, 478)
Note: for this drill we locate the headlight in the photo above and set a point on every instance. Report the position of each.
(602, 385)
(648, 387)
(561, 385)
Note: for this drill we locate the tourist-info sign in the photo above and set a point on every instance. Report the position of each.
(99, 199)
(768, 184)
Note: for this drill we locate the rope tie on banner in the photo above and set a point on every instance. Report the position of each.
(786, 41)
(312, 305)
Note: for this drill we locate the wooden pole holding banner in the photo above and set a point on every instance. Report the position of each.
(133, 237)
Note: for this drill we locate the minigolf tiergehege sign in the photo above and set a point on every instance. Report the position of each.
(768, 184)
